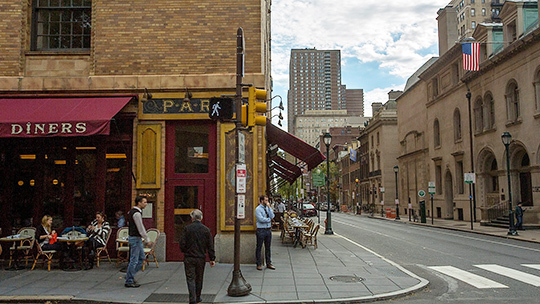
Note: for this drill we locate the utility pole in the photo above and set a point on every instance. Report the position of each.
(239, 286)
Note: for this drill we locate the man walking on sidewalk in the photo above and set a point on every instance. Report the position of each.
(264, 216)
(519, 216)
(137, 234)
(195, 242)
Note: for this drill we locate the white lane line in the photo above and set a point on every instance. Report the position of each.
(423, 228)
(535, 266)
(512, 273)
(467, 277)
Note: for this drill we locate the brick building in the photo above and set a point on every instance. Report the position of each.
(148, 71)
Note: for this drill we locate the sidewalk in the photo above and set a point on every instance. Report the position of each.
(338, 271)
(529, 235)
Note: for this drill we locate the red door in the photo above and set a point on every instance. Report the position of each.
(190, 179)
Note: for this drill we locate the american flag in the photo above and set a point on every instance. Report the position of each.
(471, 56)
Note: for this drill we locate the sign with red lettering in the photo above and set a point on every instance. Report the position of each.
(241, 177)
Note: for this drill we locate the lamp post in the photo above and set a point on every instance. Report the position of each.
(327, 138)
(357, 196)
(507, 139)
(396, 170)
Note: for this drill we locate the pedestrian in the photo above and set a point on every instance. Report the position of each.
(519, 216)
(195, 243)
(280, 210)
(137, 234)
(264, 216)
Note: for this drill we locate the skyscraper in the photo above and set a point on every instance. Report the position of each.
(314, 82)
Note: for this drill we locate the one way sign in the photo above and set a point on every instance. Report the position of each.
(221, 108)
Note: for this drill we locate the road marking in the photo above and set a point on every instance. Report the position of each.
(535, 266)
(467, 277)
(450, 234)
(512, 273)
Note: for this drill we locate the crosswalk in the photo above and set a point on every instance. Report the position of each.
(478, 281)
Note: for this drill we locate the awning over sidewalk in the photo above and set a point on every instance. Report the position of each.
(284, 169)
(62, 116)
(293, 145)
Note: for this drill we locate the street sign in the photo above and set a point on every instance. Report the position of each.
(241, 206)
(421, 193)
(318, 178)
(382, 189)
(241, 147)
(470, 178)
(241, 177)
(431, 187)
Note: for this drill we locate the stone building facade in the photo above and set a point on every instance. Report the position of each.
(501, 97)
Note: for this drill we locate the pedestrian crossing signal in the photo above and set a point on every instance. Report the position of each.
(221, 108)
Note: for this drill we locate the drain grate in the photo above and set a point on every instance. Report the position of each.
(177, 297)
(346, 278)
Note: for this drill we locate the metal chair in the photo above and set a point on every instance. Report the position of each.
(25, 246)
(153, 235)
(122, 249)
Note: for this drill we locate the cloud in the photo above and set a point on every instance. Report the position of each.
(392, 33)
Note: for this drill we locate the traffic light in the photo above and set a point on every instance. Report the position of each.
(244, 115)
(256, 107)
(221, 108)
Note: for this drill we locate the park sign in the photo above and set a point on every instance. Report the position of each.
(318, 178)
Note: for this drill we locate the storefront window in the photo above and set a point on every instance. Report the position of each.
(191, 149)
(116, 192)
(85, 188)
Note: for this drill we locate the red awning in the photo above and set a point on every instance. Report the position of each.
(293, 145)
(62, 116)
(284, 169)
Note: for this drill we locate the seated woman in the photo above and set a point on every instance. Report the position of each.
(44, 233)
(97, 231)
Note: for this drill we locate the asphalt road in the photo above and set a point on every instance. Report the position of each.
(461, 267)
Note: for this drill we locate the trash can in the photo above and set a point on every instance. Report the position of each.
(422, 211)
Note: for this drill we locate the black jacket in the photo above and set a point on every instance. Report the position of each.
(197, 240)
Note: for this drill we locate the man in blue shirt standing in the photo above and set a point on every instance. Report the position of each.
(264, 216)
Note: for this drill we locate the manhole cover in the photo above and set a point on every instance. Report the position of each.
(346, 279)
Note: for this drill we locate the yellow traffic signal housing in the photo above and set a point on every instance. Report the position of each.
(244, 115)
(256, 107)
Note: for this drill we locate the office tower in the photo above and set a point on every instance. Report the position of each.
(314, 82)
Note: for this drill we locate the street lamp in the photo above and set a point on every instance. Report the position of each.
(357, 197)
(396, 170)
(507, 139)
(327, 138)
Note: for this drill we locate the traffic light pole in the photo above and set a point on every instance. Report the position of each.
(239, 286)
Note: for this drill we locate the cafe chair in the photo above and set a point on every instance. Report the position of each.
(103, 249)
(24, 246)
(310, 238)
(46, 255)
(287, 233)
(153, 235)
(122, 249)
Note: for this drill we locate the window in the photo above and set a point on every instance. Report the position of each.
(473, 12)
(473, 24)
(457, 125)
(478, 116)
(512, 101)
(438, 179)
(483, 12)
(436, 133)
(61, 24)
(537, 90)
(489, 112)
(460, 177)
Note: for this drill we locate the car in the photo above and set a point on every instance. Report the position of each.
(309, 210)
(323, 206)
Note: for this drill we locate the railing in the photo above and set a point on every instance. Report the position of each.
(497, 211)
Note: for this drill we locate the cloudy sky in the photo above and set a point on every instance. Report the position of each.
(382, 42)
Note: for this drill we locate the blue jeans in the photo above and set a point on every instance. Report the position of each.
(136, 258)
(263, 236)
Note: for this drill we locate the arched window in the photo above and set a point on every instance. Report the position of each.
(537, 90)
(489, 112)
(457, 125)
(512, 101)
(494, 177)
(436, 133)
(478, 116)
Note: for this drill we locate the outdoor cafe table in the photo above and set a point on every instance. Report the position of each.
(298, 225)
(16, 240)
(71, 241)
